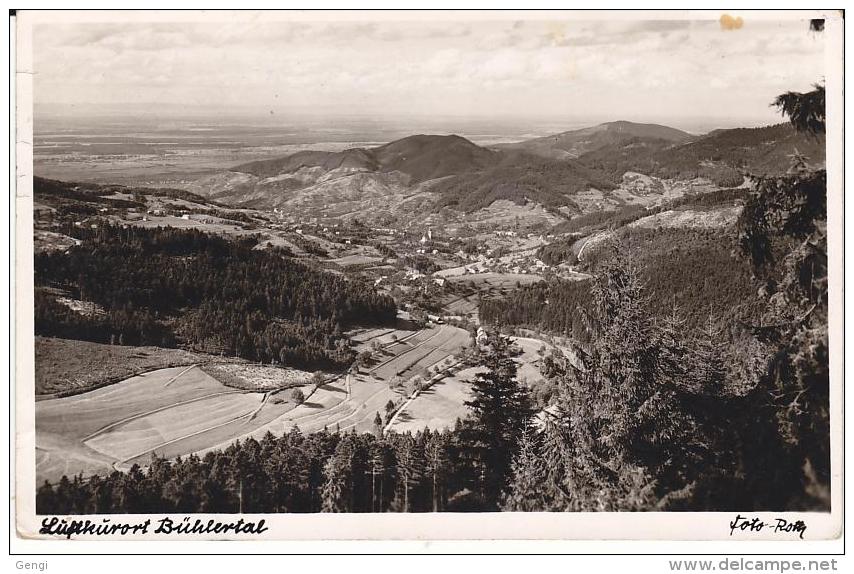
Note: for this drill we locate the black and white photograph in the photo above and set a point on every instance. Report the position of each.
(275, 266)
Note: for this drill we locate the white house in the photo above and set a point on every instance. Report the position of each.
(481, 338)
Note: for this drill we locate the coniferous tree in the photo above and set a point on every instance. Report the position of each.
(528, 491)
(783, 231)
(501, 408)
(436, 456)
(409, 461)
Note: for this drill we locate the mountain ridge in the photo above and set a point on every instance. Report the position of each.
(420, 156)
(451, 172)
(575, 143)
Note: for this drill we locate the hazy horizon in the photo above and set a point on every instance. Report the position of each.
(503, 72)
(154, 117)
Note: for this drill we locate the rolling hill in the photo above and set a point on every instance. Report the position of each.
(572, 144)
(452, 170)
(356, 158)
(421, 157)
(719, 156)
(569, 174)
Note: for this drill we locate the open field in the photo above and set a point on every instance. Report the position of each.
(170, 412)
(181, 410)
(352, 402)
(355, 259)
(144, 434)
(66, 366)
(255, 423)
(63, 424)
(364, 398)
(438, 407)
(461, 305)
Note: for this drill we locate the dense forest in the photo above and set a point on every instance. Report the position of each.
(167, 286)
(519, 178)
(556, 306)
(722, 156)
(693, 269)
(560, 251)
(322, 471)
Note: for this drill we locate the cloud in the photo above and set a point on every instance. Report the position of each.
(489, 67)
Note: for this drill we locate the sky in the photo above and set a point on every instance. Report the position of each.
(663, 71)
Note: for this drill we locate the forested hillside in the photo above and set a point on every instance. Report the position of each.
(721, 156)
(421, 157)
(691, 269)
(520, 178)
(574, 143)
(169, 287)
(465, 177)
(553, 307)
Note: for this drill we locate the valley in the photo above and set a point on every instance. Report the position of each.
(432, 239)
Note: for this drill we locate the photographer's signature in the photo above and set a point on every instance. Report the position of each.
(777, 526)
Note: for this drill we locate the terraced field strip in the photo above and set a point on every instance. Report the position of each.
(80, 416)
(255, 425)
(388, 340)
(176, 377)
(376, 393)
(369, 335)
(447, 348)
(327, 398)
(372, 398)
(147, 434)
(67, 426)
(428, 353)
(191, 435)
(406, 337)
(383, 370)
(157, 410)
(57, 456)
(462, 306)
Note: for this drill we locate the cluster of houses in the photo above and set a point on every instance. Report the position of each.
(424, 241)
(524, 235)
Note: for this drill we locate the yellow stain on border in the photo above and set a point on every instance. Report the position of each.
(556, 33)
(730, 23)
